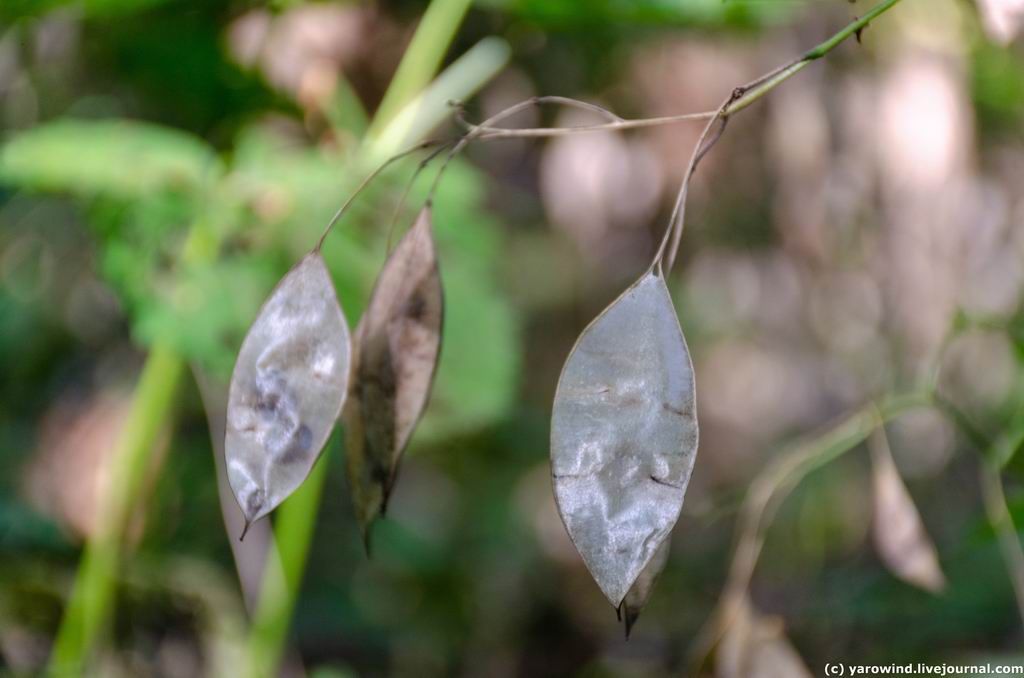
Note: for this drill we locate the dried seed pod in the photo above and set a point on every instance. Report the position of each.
(640, 592)
(755, 646)
(624, 434)
(287, 389)
(899, 534)
(398, 343)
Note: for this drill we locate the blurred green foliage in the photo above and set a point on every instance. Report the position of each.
(614, 13)
(998, 88)
(148, 129)
(145, 184)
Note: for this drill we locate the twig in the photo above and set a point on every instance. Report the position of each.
(992, 455)
(489, 132)
(766, 494)
(408, 188)
(703, 146)
(961, 420)
(423, 145)
(740, 98)
(756, 89)
(475, 133)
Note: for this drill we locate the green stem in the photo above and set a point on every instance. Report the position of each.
(282, 578)
(151, 410)
(296, 517)
(962, 421)
(771, 487)
(993, 455)
(89, 605)
(421, 60)
(852, 29)
(744, 95)
(295, 520)
(769, 82)
(1001, 520)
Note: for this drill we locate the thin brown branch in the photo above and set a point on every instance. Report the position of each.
(766, 494)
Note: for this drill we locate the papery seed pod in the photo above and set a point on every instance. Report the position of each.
(755, 646)
(640, 592)
(398, 344)
(624, 434)
(287, 388)
(900, 538)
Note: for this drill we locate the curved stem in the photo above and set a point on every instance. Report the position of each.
(1001, 520)
(739, 99)
(366, 182)
(991, 454)
(486, 129)
(489, 132)
(623, 124)
(473, 134)
(675, 221)
(408, 188)
(766, 494)
(754, 90)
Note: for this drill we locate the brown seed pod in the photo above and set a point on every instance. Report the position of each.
(755, 646)
(398, 344)
(899, 534)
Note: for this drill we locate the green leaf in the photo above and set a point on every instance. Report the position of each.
(477, 380)
(291, 191)
(118, 158)
(478, 373)
(205, 314)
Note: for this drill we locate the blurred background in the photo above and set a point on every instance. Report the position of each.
(858, 232)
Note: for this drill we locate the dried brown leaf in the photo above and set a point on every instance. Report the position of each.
(902, 542)
(624, 434)
(398, 345)
(755, 646)
(287, 388)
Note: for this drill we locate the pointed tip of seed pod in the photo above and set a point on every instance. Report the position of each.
(245, 529)
(630, 618)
